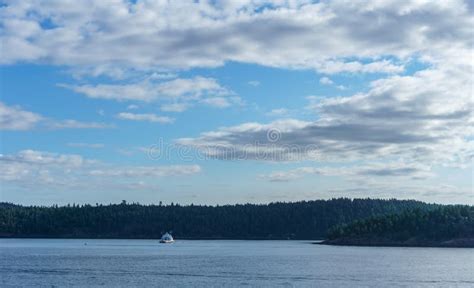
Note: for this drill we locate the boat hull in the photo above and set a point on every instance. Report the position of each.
(166, 241)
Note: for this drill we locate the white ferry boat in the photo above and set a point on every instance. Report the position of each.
(166, 238)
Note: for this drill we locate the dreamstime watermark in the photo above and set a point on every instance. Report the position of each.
(271, 149)
(273, 135)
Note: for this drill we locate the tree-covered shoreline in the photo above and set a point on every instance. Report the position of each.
(296, 220)
(445, 226)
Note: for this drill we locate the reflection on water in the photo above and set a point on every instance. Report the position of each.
(131, 263)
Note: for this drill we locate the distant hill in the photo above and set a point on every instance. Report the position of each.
(298, 220)
(447, 226)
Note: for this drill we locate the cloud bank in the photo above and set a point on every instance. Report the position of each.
(15, 118)
(33, 169)
(426, 117)
(110, 36)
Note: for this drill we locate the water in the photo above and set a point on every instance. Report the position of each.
(132, 263)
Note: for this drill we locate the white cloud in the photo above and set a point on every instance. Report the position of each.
(138, 92)
(253, 141)
(74, 124)
(384, 66)
(219, 102)
(30, 169)
(178, 94)
(254, 83)
(15, 118)
(132, 107)
(174, 107)
(397, 169)
(328, 81)
(325, 81)
(145, 117)
(163, 76)
(34, 169)
(278, 112)
(147, 171)
(148, 91)
(32, 157)
(401, 116)
(142, 149)
(192, 88)
(331, 36)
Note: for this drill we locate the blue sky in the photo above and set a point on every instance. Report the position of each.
(226, 102)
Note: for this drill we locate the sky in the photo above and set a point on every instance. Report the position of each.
(221, 102)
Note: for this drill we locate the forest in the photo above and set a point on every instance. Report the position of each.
(450, 226)
(297, 220)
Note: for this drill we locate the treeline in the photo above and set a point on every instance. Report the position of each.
(443, 226)
(298, 220)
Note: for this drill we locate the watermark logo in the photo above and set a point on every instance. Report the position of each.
(273, 135)
(270, 149)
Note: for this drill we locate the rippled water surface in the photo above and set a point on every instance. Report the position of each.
(132, 263)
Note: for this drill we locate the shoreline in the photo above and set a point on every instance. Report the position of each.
(312, 241)
(455, 243)
(416, 243)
